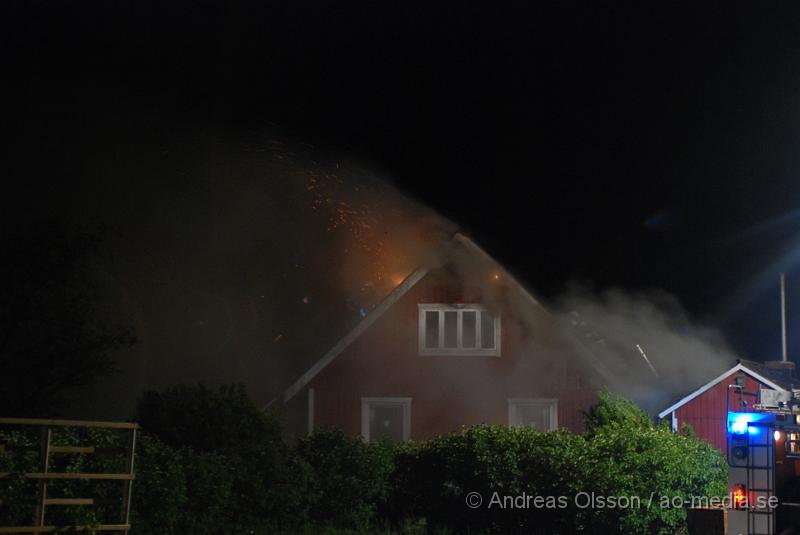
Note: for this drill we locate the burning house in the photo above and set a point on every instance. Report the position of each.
(458, 342)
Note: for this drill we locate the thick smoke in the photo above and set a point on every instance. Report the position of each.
(641, 344)
(231, 256)
(244, 258)
(647, 340)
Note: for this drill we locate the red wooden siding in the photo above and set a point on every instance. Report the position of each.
(707, 413)
(449, 391)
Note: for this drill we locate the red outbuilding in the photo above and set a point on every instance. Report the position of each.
(706, 408)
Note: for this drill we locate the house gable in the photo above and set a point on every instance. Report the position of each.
(535, 366)
(448, 391)
(410, 282)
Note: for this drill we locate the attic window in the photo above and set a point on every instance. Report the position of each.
(458, 330)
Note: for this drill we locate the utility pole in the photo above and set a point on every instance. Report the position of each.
(783, 315)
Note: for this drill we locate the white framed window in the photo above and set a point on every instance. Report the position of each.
(458, 330)
(386, 419)
(541, 414)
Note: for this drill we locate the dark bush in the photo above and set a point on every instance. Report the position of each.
(240, 473)
(621, 455)
(20, 454)
(349, 478)
(211, 504)
(493, 461)
(207, 420)
(160, 493)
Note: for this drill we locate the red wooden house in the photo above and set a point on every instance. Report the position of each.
(458, 342)
(706, 408)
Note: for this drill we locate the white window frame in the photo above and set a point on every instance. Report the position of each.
(366, 403)
(459, 350)
(514, 403)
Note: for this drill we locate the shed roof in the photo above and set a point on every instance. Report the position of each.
(773, 378)
(780, 376)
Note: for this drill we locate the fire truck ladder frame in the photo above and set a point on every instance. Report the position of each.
(768, 468)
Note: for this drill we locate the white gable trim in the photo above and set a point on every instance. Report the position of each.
(370, 318)
(594, 362)
(474, 247)
(713, 382)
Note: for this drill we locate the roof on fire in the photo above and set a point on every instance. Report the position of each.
(400, 291)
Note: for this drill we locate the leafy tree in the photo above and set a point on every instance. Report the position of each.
(52, 338)
(615, 410)
(629, 456)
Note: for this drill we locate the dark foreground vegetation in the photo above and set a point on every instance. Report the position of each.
(210, 462)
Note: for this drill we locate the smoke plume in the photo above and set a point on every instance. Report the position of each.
(646, 339)
(241, 257)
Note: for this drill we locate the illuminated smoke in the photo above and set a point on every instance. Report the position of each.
(235, 258)
(245, 260)
(648, 341)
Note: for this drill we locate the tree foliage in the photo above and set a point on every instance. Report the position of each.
(615, 410)
(52, 338)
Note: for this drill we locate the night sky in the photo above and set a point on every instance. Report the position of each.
(631, 144)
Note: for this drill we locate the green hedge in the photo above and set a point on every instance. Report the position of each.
(349, 480)
(233, 468)
(256, 481)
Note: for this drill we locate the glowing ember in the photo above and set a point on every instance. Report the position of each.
(379, 236)
(365, 224)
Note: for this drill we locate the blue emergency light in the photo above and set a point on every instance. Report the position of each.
(739, 423)
(738, 428)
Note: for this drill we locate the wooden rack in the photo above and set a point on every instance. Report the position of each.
(45, 475)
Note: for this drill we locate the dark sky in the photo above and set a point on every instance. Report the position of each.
(634, 144)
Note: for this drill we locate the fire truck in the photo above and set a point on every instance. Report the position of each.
(763, 434)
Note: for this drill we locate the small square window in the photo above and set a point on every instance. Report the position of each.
(541, 414)
(386, 419)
